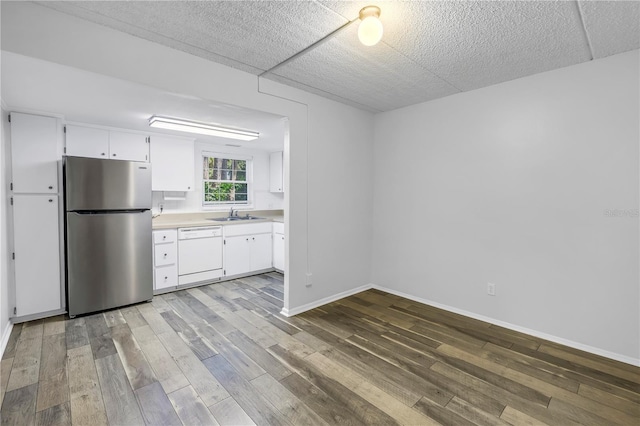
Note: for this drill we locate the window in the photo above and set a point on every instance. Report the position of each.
(226, 180)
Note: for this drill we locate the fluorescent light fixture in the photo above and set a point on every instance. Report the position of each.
(201, 128)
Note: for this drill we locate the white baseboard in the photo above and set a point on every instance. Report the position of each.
(535, 333)
(324, 301)
(5, 337)
(560, 340)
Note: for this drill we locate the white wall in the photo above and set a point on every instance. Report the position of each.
(4, 255)
(262, 198)
(511, 184)
(319, 129)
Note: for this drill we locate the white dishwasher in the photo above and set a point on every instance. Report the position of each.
(199, 254)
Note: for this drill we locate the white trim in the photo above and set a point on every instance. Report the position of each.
(531, 332)
(300, 309)
(5, 337)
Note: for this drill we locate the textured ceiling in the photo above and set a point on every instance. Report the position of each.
(430, 49)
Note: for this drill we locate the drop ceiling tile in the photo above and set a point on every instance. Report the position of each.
(613, 26)
(377, 76)
(477, 44)
(253, 36)
(429, 49)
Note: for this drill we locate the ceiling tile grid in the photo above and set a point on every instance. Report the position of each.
(254, 35)
(376, 76)
(476, 44)
(612, 26)
(429, 49)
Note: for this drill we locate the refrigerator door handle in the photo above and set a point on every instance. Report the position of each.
(89, 212)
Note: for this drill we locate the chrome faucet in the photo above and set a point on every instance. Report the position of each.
(231, 212)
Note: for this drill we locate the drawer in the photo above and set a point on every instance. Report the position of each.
(278, 228)
(165, 276)
(165, 254)
(247, 229)
(165, 236)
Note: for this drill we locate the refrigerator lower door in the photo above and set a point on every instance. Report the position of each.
(109, 260)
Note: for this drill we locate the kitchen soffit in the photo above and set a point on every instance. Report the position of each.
(429, 49)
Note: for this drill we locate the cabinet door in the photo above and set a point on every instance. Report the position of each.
(37, 250)
(128, 146)
(34, 154)
(261, 252)
(237, 255)
(276, 183)
(86, 142)
(278, 251)
(172, 164)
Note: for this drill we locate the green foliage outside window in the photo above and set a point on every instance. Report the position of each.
(225, 181)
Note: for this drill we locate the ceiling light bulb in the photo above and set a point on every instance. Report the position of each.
(370, 29)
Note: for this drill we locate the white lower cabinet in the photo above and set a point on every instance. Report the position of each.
(278, 246)
(37, 254)
(247, 248)
(165, 259)
(237, 255)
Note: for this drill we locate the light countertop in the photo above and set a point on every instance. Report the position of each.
(186, 220)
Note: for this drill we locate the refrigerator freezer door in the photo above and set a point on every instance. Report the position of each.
(94, 184)
(109, 260)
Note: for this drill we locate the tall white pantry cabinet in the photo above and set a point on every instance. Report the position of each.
(36, 153)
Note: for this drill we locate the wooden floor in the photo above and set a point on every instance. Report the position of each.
(222, 354)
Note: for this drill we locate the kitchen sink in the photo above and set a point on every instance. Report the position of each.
(235, 218)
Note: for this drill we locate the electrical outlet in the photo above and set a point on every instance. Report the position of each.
(491, 289)
(309, 280)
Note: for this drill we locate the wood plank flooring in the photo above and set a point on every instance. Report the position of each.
(222, 354)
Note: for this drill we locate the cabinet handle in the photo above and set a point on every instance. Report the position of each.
(165, 255)
(166, 278)
(51, 187)
(103, 153)
(114, 155)
(247, 239)
(254, 238)
(50, 200)
(188, 187)
(164, 237)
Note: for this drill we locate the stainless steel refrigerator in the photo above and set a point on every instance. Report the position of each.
(108, 233)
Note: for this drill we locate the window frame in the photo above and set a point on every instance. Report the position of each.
(249, 180)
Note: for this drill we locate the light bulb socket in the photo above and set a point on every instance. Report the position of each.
(367, 11)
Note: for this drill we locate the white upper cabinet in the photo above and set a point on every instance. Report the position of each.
(172, 164)
(95, 142)
(128, 146)
(276, 181)
(34, 154)
(87, 142)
